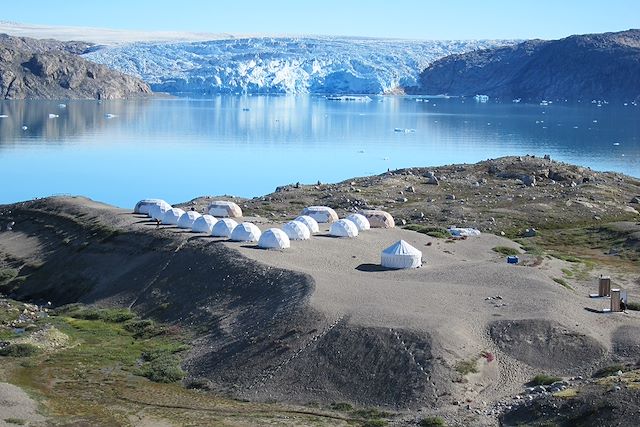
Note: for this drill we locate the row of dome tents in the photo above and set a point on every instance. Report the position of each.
(399, 255)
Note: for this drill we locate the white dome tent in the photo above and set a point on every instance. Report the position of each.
(321, 214)
(401, 255)
(246, 232)
(203, 224)
(157, 212)
(186, 219)
(274, 238)
(311, 223)
(296, 230)
(172, 215)
(142, 207)
(224, 209)
(223, 228)
(343, 228)
(360, 221)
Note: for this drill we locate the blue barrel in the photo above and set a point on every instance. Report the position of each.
(512, 259)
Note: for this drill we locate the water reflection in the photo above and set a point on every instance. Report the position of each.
(120, 151)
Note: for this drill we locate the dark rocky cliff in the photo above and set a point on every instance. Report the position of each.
(585, 67)
(48, 69)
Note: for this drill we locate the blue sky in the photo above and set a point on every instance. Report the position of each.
(427, 19)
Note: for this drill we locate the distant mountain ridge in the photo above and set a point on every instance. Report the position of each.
(50, 69)
(581, 67)
(282, 65)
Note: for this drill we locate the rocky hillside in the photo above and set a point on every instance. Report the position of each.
(47, 69)
(584, 67)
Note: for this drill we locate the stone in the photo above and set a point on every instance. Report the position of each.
(529, 180)
(433, 181)
(450, 197)
(411, 189)
(530, 232)
(635, 200)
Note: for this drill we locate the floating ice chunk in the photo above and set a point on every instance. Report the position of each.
(3, 116)
(481, 98)
(404, 130)
(110, 116)
(616, 143)
(62, 105)
(24, 128)
(53, 116)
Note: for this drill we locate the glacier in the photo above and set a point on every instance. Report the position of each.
(282, 65)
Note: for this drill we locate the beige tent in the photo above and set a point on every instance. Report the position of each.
(378, 218)
(321, 214)
(224, 209)
(142, 207)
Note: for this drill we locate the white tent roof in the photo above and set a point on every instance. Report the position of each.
(321, 213)
(401, 255)
(222, 208)
(274, 238)
(157, 211)
(142, 207)
(343, 228)
(466, 232)
(203, 224)
(311, 223)
(360, 221)
(246, 232)
(186, 219)
(172, 215)
(297, 230)
(224, 227)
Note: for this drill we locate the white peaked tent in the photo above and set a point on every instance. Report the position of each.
(378, 218)
(296, 230)
(401, 255)
(157, 211)
(343, 228)
(224, 227)
(360, 221)
(246, 232)
(203, 224)
(274, 238)
(321, 213)
(172, 216)
(224, 209)
(186, 219)
(311, 223)
(142, 207)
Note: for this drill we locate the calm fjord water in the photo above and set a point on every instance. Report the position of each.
(121, 151)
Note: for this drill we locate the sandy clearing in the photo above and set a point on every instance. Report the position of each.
(445, 298)
(16, 404)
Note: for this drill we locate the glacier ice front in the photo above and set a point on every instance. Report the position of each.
(282, 65)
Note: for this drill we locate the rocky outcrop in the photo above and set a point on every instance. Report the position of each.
(585, 67)
(48, 69)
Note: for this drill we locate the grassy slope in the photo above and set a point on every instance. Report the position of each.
(96, 378)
